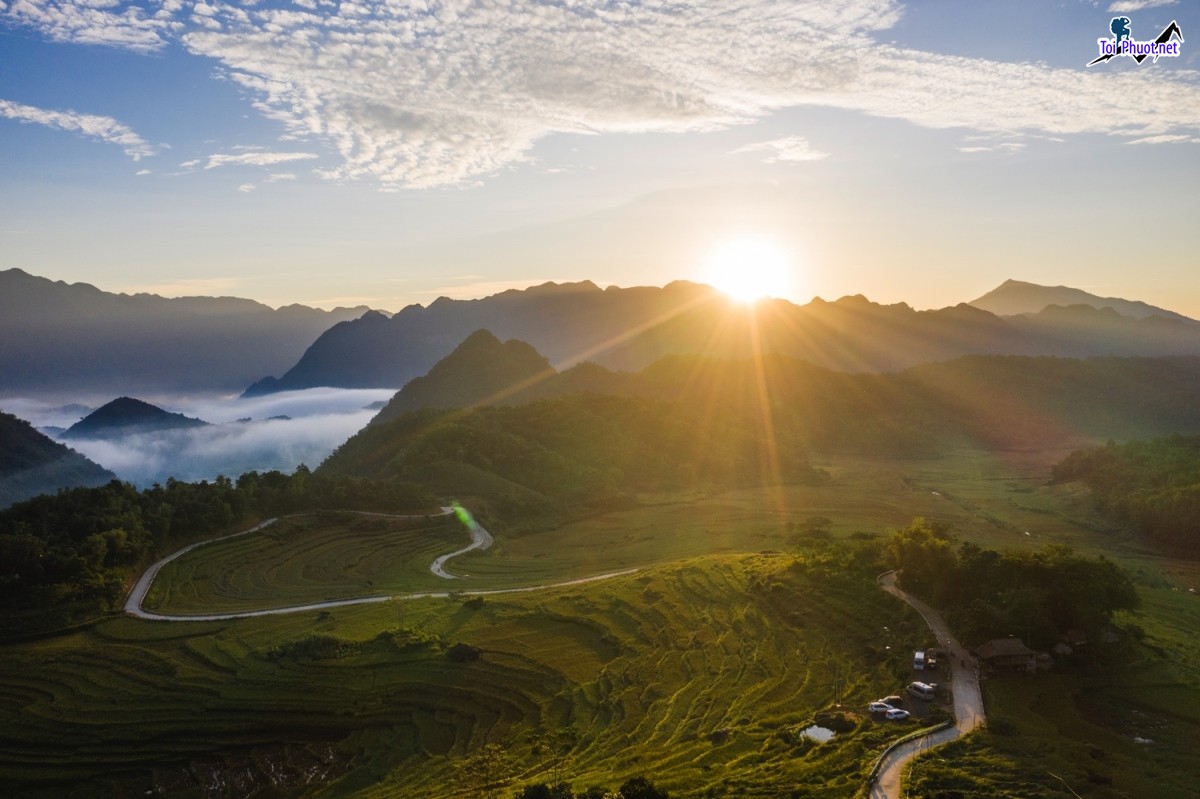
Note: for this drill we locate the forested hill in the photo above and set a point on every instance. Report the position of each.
(689, 421)
(570, 454)
(32, 464)
(1152, 486)
(480, 370)
(992, 401)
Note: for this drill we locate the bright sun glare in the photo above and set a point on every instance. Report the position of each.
(748, 268)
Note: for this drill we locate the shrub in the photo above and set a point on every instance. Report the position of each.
(463, 653)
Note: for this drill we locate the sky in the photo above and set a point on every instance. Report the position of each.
(386, 153)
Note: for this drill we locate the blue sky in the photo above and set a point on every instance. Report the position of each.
(390, 152)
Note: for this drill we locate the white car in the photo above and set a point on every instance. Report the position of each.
(879, 707)
(896, 714)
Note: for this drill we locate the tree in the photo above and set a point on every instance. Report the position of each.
(487, 769)
(543, 791)
(555, 746)
(924, 559)
(641, 788)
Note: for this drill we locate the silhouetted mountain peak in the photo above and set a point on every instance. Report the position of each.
(1015, 297)
(482, 341)
(480, 371)
(126, 415)
(563, 288)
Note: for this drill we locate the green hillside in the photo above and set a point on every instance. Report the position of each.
(701, 423)
(32, 463)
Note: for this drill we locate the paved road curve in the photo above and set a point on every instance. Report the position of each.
(968, 701)
(480, 539)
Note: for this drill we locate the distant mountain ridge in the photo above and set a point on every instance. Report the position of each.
(628, 329)
(125, 416)
(567, 322)
(32, 463)
(56, 336)
(1013, 297)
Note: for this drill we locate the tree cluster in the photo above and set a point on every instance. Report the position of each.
(1035, 595)
(1152, 486)
(633, 788)
(70, 556)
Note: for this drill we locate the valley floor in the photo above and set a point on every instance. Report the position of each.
(699, 670)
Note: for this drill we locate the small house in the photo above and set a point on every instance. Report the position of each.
(1007, 654)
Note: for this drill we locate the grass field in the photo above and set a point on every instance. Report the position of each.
(696, 671)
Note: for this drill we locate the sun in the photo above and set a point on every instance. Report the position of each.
(749, 268)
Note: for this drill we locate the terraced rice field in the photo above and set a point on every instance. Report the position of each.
(306, 559)
(693, 673)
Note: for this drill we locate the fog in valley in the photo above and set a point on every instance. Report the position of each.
(317, 421)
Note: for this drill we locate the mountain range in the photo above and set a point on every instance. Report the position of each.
(32, 463)
(56, 337)
(997, 401)
(60, 337)
(628, 329)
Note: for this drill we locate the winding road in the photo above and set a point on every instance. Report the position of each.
(964, 682)
(968, 701)
(480, 539)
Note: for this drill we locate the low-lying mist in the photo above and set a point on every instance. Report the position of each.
(318, 421)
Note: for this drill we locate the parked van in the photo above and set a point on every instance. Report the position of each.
(919, 661)
(922, 690)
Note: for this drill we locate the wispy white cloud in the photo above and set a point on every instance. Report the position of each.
(992, 143)
(1126, 6)
(1168, 139)
(139, 26)
(280, 176)
(255, 159)
(443, 92)
(788, 150)
(246, 188)
(93, 126)
(142, 172)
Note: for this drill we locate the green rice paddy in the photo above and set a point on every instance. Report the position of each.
(697, 670)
